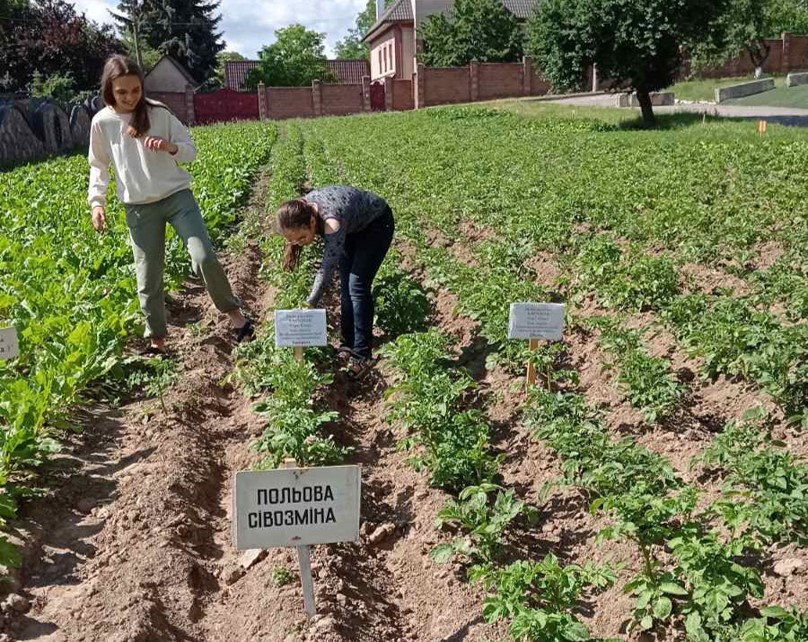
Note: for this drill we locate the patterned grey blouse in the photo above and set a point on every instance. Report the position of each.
(355, 209)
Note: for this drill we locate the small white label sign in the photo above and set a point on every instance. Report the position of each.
(537, 321)
(9, 344)
(300, 328)
(296, 507)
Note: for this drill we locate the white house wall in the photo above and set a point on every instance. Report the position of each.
(385, 42)
(165, 77)
(407, 53)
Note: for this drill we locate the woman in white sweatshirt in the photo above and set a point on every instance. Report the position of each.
(146, 143)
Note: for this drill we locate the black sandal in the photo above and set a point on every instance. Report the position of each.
(245, 332)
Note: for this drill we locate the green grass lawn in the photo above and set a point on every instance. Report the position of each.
(781, 97)
(704, 90)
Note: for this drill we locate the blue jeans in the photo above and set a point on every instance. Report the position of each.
(364, 253)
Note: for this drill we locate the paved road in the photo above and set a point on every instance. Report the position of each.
(782, 115)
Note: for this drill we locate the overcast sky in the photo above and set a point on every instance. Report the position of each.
(248, 25)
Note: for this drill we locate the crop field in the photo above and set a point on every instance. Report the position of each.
(652, 485)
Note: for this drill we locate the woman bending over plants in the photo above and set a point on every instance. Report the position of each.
(357, 228)
(146, 143)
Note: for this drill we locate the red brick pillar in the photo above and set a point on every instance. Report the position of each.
(474, 80)
(527, 76)
(389, 86)
(785, 64)
(189, 105)
(317, 97)
(263, 111)
(420, 87)
(366, 93)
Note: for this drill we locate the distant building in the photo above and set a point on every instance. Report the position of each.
(394, 42)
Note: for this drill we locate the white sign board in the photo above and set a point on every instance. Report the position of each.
(537, 321)
(300, 328)
(296, 507)
(9, 345)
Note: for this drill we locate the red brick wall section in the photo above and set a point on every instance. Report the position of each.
(289, 102)
(402, 95)
(175, 101)
(340, 100)
(539, 86)
(742, 66)
(500, 80)
(798, 56)
(443, 86)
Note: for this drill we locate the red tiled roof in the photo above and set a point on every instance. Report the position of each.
(521, 8)
(235, 72)
(348, 72)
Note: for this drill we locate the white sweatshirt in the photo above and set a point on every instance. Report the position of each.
(141, 175)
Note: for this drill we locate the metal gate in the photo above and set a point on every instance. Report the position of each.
(377, 98)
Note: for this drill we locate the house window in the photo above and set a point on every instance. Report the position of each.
(380, 61)
(391, 55)
(385, 60)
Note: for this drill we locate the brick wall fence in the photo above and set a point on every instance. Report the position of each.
(477, 81)
(787, 53)
(321, 99)
(181, 103)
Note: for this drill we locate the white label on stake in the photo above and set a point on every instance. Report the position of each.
(296, 507)
(9, 345)
(300, 328)
(537, 321)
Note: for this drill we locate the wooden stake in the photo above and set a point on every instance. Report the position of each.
(531, 367)
(761, 127)
(303, 556)
(299, 353)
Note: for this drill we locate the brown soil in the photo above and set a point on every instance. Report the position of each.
(133, 543)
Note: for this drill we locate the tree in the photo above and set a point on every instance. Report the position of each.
(49, 37)
(745, 25)
(351, 46)
(183, 29)
(217, 80)
(481, 30)
(295, 59)
(639, 43)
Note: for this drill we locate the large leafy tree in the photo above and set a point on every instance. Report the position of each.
(639, 43)
(295, 59)
(745, 25)
(351, 46)
(49, 37)
(481, 30)
(184, 29)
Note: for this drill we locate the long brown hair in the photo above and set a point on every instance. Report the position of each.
(116, 67)
(294, 215)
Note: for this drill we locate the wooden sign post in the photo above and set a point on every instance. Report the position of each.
(761, 127)
(535, 322)
(297, 507)
(9, 344)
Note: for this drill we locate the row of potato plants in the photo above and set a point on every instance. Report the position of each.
(296, 420)
(429, 399)
(70, 293)
(370, 177)
(531, 205)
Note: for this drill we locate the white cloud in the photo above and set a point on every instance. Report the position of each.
(248, 25)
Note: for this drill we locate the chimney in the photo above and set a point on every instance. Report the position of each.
(379, 8)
